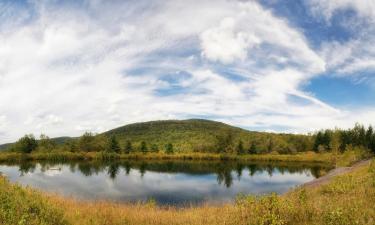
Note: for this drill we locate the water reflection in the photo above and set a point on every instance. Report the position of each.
(168, 182)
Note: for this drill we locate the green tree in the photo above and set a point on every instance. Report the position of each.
(26, 144)
(253, 148)
(224, 143)
(318, 141)
(128, 147)
(113, 145)
(270, 145)
(144, 147)
(45, 143)
(240, 149)
(87, 142)
(369, 134)
(169, 148)
(70, 145)
(154, 148)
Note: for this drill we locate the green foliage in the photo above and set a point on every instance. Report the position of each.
(20, 206)
(26, 144)
(128, 147)
(46, 144)
(240, 149)
(143, 147)
(113, 145)
(253, 148)
(86, 142)
(169, 148)
(154, 148)
(203, 136)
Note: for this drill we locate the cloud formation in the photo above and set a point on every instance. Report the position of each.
(67, 67)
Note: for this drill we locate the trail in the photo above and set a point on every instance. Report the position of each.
(335, 172)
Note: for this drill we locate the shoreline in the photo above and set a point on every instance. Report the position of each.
(308, 157)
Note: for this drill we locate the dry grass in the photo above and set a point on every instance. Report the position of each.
(300, 157)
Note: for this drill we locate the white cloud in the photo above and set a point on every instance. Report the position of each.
(222, 44)
(355, 57)
(71, 69)
(327, 8)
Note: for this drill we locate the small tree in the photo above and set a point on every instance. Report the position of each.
(144, 147)
(45, 143)
(113, 145)
(154, 148)
(169, 148)
(26, 144)
(240, 149)
(253, 148)
(87, 142)
(128, 147)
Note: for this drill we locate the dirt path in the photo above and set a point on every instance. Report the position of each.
(333, 173)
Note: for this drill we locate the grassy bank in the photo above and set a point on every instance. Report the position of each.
(311, 157)
(348, 199)
(302, 157)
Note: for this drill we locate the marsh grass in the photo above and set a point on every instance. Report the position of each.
(300, 157)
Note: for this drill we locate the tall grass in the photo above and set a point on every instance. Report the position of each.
(26, 206)
(301, 157)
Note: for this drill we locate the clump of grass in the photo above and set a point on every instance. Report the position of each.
(25, 206)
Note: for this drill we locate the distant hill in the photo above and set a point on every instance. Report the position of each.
(195, 134)
(184, 134)
(58, 140)
(199, 135)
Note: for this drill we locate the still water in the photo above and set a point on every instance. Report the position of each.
(168, 182)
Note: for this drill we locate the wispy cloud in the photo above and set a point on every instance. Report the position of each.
(66, 67)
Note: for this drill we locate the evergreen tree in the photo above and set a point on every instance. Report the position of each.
(369, 134)
(318, 141)
(270, 145)
(240, 149)
(154, 148)
(253, 148)
(327, 136)
(169, 148)
(144, 147)
(113, 145)
(128, 147)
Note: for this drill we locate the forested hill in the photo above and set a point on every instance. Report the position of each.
(206, 136)
(190, 135)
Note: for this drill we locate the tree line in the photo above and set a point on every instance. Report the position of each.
(338, 140)
(88, 142)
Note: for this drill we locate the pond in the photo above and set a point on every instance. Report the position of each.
(175, 183)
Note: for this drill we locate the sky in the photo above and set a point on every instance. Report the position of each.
(72, 66)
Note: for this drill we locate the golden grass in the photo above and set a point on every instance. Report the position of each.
(300, 157)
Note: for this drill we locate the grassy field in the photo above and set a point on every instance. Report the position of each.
(347, 199)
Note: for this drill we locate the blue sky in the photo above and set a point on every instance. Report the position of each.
(91, 65)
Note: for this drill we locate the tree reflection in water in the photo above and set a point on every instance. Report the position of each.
(224, 170)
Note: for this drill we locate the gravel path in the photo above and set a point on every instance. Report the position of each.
(333, 173)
